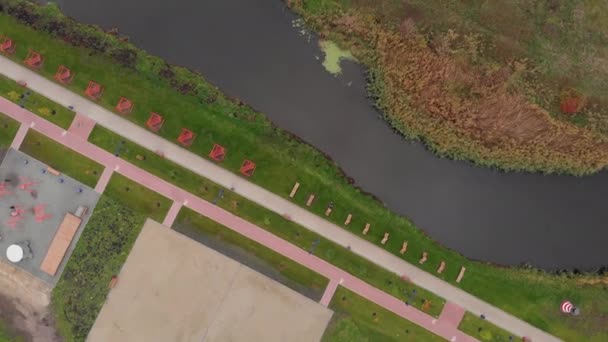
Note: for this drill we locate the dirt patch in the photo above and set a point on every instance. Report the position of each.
(24, 305)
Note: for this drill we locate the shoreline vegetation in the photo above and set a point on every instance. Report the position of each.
(186, 99)
(473, 86)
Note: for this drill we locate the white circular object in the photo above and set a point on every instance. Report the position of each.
(14, 253)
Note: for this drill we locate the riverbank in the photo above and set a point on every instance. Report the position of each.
(447, 88)
(135, 81)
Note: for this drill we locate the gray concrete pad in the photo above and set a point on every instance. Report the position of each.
(59, 198)
(172, 288)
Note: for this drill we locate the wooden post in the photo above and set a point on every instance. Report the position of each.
(384, 239)
(366, 229)
(310, 199)
(461, 274)
(403, 247)
(348, 218)
(294, 190)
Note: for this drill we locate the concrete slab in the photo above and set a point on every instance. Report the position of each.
(58, 198)
(174, 289)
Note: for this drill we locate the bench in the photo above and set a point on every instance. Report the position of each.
(403, 247)
(366, 229)
(441, 267)
(461, 274)
(310, 199)
(424, 258)
(384, 239)
(348, 218)
(53, 171)
(294, 190)
(60, 244)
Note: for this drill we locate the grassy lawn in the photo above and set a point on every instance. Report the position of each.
(36, 103)
(282, 160)
(264, 218)
(138, 197)
(483, 330)
(100, 253)
(8, 130)
(357, 319)
(61, 158)
(297, 276)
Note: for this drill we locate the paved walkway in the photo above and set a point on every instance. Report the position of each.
(82, 126)
(445, 329)
(269, 200)
(18, 139)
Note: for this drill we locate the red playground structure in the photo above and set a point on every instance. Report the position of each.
(186, 137)
(64, 75)
(34, 60)
(248, 168)
(218, 153)
(16, 216)
(7, 46)
(155, 122)
(40, 213)
(94, 90)
(124, 105)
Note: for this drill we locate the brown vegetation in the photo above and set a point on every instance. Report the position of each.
(438, 90)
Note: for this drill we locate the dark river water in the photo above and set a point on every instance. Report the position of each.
(250, 49)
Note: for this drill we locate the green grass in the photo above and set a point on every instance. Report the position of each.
(61, 158)
(138, 197)
(483, 330)
(8, 130)
(36, 103)
(193, 224)
(100, 253)
(282, 160)
(357, 319)
(264, 218)
(6, 335)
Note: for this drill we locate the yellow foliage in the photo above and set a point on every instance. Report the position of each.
(13, 96)
(44, 111)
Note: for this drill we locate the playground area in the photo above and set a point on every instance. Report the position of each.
(172, 288)
(42, 214)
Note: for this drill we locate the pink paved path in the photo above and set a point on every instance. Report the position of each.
(82, 126)
(442, 328)
(104, 180)
(452, 314)
(329, 291)
(172, 214)
(18, 139)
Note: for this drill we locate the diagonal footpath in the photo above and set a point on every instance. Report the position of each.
(270, 201)
(337, 276)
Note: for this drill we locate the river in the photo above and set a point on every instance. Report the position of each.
(251, 50)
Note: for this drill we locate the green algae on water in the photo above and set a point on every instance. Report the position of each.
(333, 56)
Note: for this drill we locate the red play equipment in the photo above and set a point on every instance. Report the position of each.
(155, 122)
(40, 213)
(34, 60)
(186, 137)
(7, 46)
(3, 189)
(94, 90)
(16, 216)
(248, 168)
(124, 105)
(64, 75)
(27, 184)
(218, 153)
